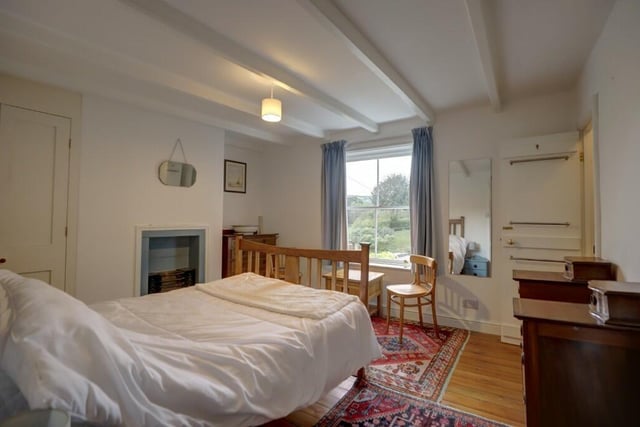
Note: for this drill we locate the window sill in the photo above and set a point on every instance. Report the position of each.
(391, 266)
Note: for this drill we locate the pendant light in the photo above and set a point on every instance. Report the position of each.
(271, 109)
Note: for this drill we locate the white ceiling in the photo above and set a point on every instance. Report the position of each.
(336, 65)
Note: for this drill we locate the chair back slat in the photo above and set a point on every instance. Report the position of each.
(425, 269)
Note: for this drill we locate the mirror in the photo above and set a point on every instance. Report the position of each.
(177, 174)
(470, 217)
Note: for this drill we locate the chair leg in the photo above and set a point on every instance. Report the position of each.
(435, 319)
(420, 311)
(401, 317)
(388, 310)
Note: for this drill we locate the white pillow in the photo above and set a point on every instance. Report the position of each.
(58, 351)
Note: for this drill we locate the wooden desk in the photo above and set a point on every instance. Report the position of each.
(577, 372)
(353, 284)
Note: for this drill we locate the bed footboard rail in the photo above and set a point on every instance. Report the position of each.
(303, 266)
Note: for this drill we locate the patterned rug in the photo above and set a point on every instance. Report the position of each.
(422, 364)
(368, 405)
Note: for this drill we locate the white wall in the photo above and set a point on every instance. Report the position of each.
(613, 74)
(244, 208)
(292, 196)
(478, 133)
(119, 189)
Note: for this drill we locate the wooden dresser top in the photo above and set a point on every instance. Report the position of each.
(544, 276)
(562, 312)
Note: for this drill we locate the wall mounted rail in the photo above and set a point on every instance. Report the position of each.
(514, 258)
(538, 159)
(565, 224)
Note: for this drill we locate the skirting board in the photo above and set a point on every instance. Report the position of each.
(455, 322)
(510, 334)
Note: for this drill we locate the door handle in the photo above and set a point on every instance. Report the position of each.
(3, 260)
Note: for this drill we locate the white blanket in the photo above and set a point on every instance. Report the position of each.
(277, 296)
(180, 358)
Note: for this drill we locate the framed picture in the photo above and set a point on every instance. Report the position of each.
(235, 176)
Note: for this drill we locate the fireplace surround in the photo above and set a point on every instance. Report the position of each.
(162, 250)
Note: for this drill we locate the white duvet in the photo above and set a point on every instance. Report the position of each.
(180, 358)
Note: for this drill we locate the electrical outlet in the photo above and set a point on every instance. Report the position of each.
(470, 303)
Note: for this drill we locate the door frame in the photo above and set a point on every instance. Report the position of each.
(48, 99)
(592, 123)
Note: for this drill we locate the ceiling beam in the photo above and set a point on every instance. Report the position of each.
(484, 48)
(244, 57)
(332, 18)
(136, 69)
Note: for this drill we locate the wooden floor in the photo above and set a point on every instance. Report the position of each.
(487, 381)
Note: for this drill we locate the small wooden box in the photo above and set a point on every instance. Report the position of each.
(616, 303)
(587, 268)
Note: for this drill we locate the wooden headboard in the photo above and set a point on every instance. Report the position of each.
(302, 266)
(456, 226)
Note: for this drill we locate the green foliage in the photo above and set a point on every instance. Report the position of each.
(357, 201)
(393, 224)
(392, 192)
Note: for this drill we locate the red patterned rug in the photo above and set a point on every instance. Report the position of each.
(367, 405)
(422, 364)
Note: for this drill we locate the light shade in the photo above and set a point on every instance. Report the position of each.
(271, 110)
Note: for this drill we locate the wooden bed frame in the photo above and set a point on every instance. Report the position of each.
(456, 227)
(303, 266)
(285, 263)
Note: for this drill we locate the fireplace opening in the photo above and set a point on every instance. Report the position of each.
(171, 259)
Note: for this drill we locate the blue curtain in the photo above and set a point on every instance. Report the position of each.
(334, 195)
(421, 194)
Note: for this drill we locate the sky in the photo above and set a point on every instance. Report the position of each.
(361, 177)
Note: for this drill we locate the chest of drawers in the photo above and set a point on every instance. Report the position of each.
(476, 266)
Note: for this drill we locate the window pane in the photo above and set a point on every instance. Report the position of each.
(378, 207)
(361, 180)
(360, 226)
(393, 234)
(393, 188)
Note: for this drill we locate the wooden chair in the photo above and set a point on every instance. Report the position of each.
(423, 289)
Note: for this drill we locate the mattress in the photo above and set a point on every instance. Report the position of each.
(194, 356)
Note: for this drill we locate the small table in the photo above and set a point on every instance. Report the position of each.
(353, 285)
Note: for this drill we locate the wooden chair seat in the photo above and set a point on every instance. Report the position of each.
(423, 289)
(409, 290)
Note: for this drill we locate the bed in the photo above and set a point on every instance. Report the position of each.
(234, 352)
(457, 245)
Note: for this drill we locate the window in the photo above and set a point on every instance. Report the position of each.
(378, 202)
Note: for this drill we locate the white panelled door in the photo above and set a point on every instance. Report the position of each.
(541, 215)
(34, 169)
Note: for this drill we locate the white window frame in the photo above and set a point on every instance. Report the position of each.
(359, 153)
